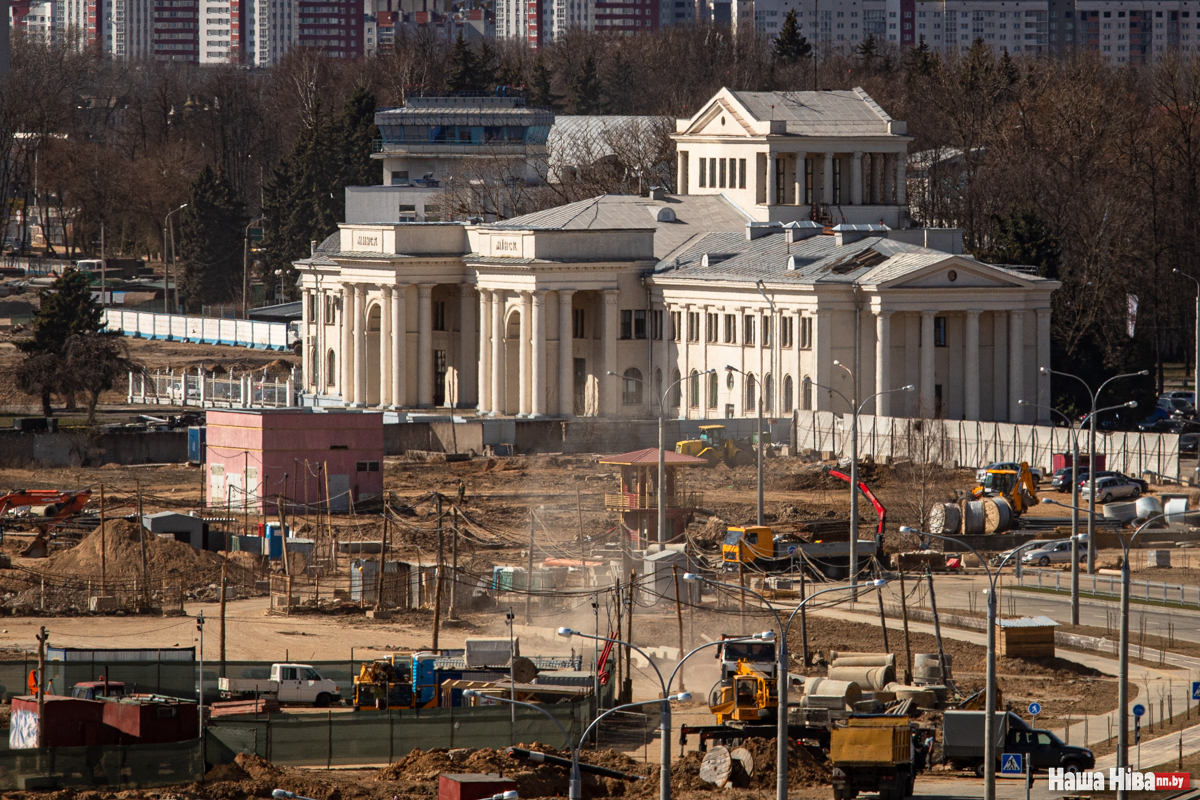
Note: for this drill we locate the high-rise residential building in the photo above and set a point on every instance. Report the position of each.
(272, 29)
(176, 30)
(334, 26)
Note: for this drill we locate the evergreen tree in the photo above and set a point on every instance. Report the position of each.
(922, 62)
(486, 70)
(1022, 238)
(867, 51)
(462, 72)
(790, 44)
(586, 88)
(211, 231)
(357, 136)
(540, 92)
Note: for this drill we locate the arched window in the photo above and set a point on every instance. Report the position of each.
(787, 394)
(631, 387)
(769, 394)
(749, 407)
(714, 389)
(676, 390)
(330, 368)
(806, 393)
(658, 387)
(694, 389)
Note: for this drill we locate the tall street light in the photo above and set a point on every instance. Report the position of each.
(1075, 494)
(855, 409)
(989, 742)
(662, 453)
(781, 674)
(758, 397)
(1123, 662)
(166, 274)
(1196, 363)
(1094, 396)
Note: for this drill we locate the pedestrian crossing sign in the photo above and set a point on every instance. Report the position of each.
(1012, 764)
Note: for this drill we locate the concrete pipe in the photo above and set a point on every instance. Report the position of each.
(837, 659)
(973, 517)
(830, 693)
(873, 678)
(921, 696)
(1148, 507)
(1121, 512)
(43, 511)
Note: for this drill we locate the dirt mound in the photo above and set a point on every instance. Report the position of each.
(256, 767)
(231, 773)
(803, 767)
(713, 532)
(122, 554)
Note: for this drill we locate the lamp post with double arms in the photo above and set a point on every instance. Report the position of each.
(855, 410)
(1093, 396)
(781, 675)
(166, 272)
(662, 453)
(989, 742)
(1196, 378)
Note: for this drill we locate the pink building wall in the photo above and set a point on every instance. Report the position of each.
(248, 453)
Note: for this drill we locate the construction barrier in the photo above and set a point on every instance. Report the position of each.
(112, 767)
(208, 330)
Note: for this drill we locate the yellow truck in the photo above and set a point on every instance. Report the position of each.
(872, 754)
(748, 695)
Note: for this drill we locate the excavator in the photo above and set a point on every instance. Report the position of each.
(46, 506)
(1014, 485)
(749, 695)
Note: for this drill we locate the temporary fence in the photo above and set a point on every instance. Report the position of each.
(115, 768)
(208, 330)
(367, 736)
(967, 443)
(1110, 586)
(249, 390)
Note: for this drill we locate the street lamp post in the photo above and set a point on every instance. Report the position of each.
(166, 273)
(989, 743)
(781, 675)
(1094, 396)
(1196, 364)
(855, 409)
(758, 396)
(662, 453)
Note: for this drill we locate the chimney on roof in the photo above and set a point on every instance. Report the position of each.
(845, 233)
(312, 248)
(657, 193)
(799, 231)
(757, 230)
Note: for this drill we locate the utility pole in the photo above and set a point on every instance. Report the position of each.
(200, 683)
(41, 684)
(441, 570)
(454, 568)
(103, 270)
(529, 576)
(103, 549)
(224, 591)
(142, 541)
(679, 620)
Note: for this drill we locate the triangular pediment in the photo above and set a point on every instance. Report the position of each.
(954, 272)
(723, 115)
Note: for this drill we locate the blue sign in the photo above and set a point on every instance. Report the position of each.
(1012, 764)
(1196, 690)
(1139, 710)
(1035, 708)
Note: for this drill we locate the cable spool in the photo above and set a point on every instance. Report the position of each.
(944, 518)
(997, 515)
(973, 517)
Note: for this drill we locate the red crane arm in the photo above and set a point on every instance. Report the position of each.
(880, 511)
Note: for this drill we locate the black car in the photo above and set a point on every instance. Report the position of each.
(1062, 479)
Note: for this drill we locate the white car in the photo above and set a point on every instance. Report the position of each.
(981, 473)
(1109, 489)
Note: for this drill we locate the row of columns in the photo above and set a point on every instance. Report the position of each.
(888, 176)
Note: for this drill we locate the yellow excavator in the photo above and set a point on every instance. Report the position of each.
(713, 446)
(1014, 485)
(748, 695)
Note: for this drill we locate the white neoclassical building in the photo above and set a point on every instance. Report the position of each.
(610, 305)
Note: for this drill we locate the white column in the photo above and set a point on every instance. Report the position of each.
(1000, 366)
(425, 345)
(681, 183)
(971, 366)
(360, 344)
(566, 354)
(798, 177)
(927, 397)
(876, 178)
(309, 347)
(664, 362)
(1043, 361)
(385, 348)
(827, 180)
(499, 365)
(485, 351)
(609, 385)
(889, 178)
(771, 181)
(856, 179)
(523, 353)
(400, 345)
(537, 348)
(1016, 365)
(346, 355)
(883, 362)
(901, 179)
(468, 364)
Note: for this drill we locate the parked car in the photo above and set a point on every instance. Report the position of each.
(1189, 397)
(999, 557)
(1176, 406)
(1062, 479)
(1056, 552)
(1109, 489)
(1188, 442)
(981, 473)
(1085, 478)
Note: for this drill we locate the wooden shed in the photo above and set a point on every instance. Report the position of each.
(1027, 637)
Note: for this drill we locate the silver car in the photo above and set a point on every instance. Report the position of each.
(1109, 489)
(1057, 552)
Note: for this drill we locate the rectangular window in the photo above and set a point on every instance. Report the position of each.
(312, 308)
(639, 323)
(399, 177)
(577, 324)
(703, 174)
(712, 173)
(785, 331)
(730, 329)
(626, 324)
(331, 305)
(808, 181)
(439, 315)
(837, 181)
(806, 333)
(780, 183)
(710, 329)
(741, 173)
(939, 331)
(366, 466)
(721, 173)
(714, 389)
(766, 330)
(656, 325)
(676, 321)
(748, 329)
(693, 326)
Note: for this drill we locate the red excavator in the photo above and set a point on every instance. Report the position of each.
(880, 511)
(46, 506)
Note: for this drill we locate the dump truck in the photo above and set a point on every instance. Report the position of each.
(295, 684)
(872, 754)
(963, 740)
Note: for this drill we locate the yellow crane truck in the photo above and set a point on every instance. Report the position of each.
(872, 754)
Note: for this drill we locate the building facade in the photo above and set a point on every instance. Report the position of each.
(615, 305)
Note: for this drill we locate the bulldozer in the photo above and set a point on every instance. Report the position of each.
(713, 446)
(1014, 485)
(748, 695)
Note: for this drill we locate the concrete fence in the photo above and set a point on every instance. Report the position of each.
(968, 443)
(208, 330)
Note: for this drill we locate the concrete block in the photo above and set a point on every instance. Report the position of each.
(379, 614)
(106, 603)
(1158, 558)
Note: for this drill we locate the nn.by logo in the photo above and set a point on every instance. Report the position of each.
(1117, 780)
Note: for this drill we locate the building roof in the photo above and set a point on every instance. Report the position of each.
(690, 218)
(575, 140)
(834, 113)
(1040, 621)
(871, 260)
(650, 456)
(284, 312)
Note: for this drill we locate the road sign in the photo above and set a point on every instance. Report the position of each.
(1035, 708)
(1139, 710)
(1196, 690)
(255, 234)
(1012, 764)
